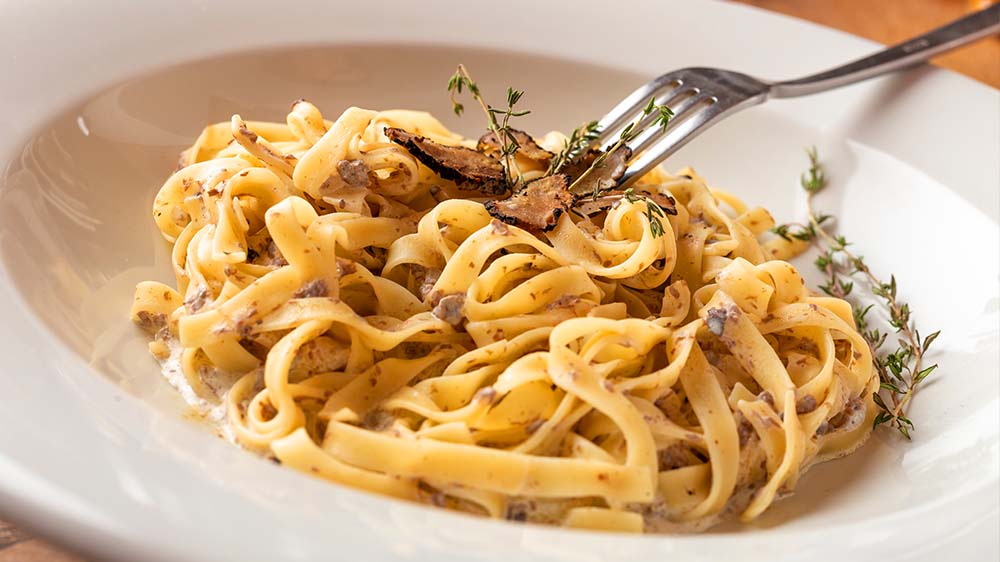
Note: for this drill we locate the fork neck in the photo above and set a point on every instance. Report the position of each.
(960, 32)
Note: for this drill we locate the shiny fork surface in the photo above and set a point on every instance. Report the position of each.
(701, 97)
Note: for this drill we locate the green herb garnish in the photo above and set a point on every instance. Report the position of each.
(577, 143)
(582, 138)
(901, 371)
(654, 213)
(498, 120)
(628, 134)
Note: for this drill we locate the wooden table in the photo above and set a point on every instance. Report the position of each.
(892, 21)
(19, 546)
(885, 21)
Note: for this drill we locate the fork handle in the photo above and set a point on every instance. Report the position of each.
(945, 38)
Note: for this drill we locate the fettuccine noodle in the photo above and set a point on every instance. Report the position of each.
(395, 337)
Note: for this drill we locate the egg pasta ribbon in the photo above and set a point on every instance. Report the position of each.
(364, 320)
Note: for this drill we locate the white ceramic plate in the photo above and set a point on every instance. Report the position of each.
(95, 451)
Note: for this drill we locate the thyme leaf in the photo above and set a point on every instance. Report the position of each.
(814, 180)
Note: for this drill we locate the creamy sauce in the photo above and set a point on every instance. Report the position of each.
(212, 412)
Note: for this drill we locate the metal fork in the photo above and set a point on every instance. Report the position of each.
(701, 97)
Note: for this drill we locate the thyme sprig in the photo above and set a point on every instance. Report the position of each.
(901, 371)
(628, 134)
(498, 120)
(578, 142)
(654, 213)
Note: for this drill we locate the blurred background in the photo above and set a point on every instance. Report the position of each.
(884, 21)
(892, 21)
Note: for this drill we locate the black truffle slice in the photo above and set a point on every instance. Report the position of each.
(469, 169)
(526, 146)
(536, 206)
(605, 177)
(587, 205)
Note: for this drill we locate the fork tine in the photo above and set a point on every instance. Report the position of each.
(682, 110)
(671, 98)
(700, 97)
(612, 123)
(673, 140)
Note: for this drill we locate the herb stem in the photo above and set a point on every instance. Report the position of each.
(508, 144)
(578, 142)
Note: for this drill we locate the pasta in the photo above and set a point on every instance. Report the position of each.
(359, 318)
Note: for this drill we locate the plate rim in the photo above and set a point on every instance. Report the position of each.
(53, 522)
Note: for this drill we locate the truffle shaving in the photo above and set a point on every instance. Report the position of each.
(537, 205)
(470, 170)
(603, 178)
(355, 173)
(589, 206)
(526, 146)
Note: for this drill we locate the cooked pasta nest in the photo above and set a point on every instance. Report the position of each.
(360, 319)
